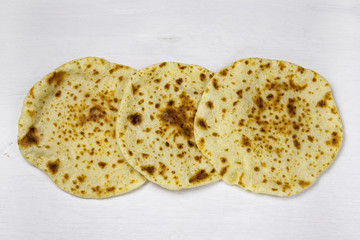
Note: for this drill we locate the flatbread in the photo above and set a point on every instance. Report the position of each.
(268, 126)
(155, 125)
(67, 128)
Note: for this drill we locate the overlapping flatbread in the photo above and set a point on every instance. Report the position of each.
(155, 125)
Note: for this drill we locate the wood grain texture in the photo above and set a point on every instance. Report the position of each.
(36, 36)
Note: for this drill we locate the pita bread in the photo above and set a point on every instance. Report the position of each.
(155, 125)
(268, 126)
(67, 128)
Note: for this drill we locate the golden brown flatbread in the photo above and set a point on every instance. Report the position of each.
(268, 126)
(155, 125)
(67, 128)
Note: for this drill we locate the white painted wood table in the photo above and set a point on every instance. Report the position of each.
(36, 36)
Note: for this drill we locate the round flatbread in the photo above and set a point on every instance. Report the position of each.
(268, 126)
(155, 125)
(67, 128)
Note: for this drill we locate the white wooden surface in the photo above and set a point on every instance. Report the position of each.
(37, 36)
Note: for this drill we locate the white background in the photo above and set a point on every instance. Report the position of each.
(37, 36)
